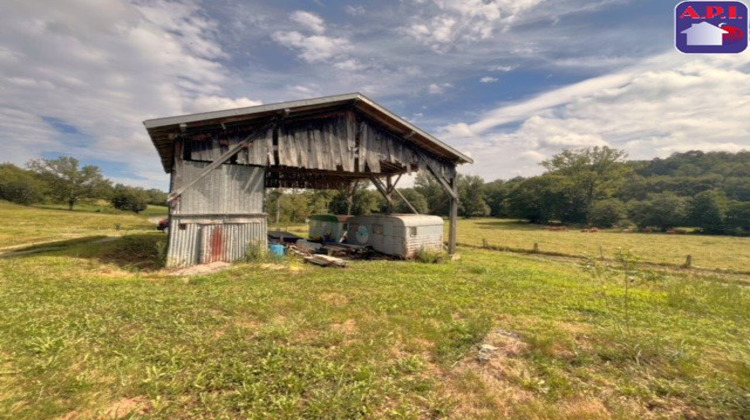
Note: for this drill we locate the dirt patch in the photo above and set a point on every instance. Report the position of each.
(485, 384)
(272, 267)
(334, 299)
(348, 327)
(202, 269)
(127, 406)
(585, 409)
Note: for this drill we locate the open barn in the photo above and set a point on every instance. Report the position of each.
(221, 162)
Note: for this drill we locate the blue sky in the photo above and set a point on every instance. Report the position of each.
(510, 82)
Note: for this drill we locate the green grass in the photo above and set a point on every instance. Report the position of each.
(89, 327)
(29, 225)
(710, 252)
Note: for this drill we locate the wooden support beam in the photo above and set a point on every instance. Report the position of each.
(379, 185)
(389, 193)
(448, 189)
(453, 231)
(406, 201)
(392, 186)
(215, 164)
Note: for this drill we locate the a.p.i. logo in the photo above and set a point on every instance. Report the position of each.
(711, 27)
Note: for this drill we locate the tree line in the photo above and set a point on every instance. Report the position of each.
(594, 186)
(65, 181)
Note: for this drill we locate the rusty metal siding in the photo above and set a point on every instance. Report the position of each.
(218, 217)
(229, 189)
(198, 240)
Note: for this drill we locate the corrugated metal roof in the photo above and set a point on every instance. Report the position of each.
(163, 130)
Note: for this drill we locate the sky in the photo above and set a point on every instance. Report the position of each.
(508, 82)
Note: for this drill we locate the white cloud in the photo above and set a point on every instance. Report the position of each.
(358, 10)
(488, 79)
(451, 22)
(313, 48)
(438, 89)
(503, 68)
(104, 70)
(309, 20)
(350, 65)
(215, 103)
(664, 104)
(533, 155)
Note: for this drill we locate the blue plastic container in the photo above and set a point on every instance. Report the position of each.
(277, 250)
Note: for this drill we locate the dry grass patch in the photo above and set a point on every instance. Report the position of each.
(334, 299)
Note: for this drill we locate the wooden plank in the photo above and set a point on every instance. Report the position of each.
(453, 231)
(269, 146)
(315, 149)
(363, 139)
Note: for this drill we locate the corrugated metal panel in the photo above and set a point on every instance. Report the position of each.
(195, 241)
(229, 189)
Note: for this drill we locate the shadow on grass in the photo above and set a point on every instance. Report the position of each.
(144, 251)
(51, 246)
(509, 224)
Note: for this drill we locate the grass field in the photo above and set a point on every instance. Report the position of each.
(711, 252)
(96, 331)
(29, 225)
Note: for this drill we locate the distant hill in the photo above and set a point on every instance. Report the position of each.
(687, 174)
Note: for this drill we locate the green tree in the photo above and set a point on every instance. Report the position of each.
(708, 211)
(129, 198)
(294, 206)
(607, 213)
(738, 217)
(68, 183)
(433, 192)
(471, 201)
(538, 199)
(156, 197)
(20, 186)
(496, 194)
(593, 173)
(661, 211)
(319, 200)
(362, 201)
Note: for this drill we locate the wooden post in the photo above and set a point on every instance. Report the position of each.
(485, 244)
(688, 261)
(384, 192)
(536, 247)
(389, 190)
(453, 216)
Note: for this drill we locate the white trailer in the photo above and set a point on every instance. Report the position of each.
(400, 235)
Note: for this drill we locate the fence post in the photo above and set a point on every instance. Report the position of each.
(688, 261)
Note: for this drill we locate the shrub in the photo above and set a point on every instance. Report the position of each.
(129, 199)
(607, 213)
(662, 211)
(431, 256)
